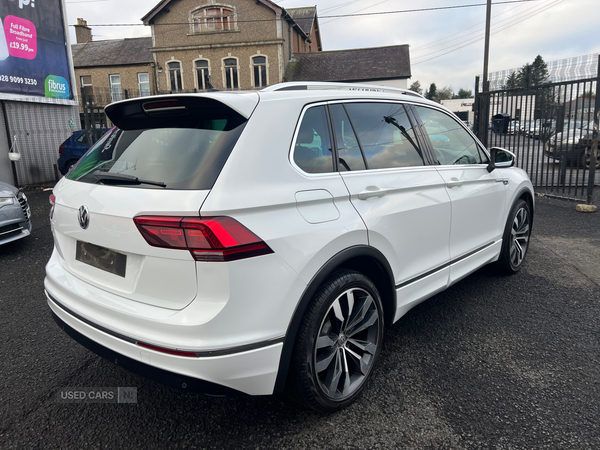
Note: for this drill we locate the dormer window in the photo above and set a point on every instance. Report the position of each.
(213, 19)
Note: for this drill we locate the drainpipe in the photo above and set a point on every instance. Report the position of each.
(12, 163)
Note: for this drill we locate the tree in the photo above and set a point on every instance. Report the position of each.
(512, 81)
(463, 93)
(444, 94)
(432, 92)
(529, 75)
(416, 87)
(539, 72)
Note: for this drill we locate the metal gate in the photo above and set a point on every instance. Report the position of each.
(553, 130)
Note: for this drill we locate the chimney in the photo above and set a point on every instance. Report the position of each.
(83, 33)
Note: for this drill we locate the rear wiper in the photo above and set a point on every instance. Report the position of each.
(123, 178)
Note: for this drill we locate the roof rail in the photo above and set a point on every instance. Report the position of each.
(322, 85)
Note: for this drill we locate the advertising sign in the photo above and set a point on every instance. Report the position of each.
(33, 50)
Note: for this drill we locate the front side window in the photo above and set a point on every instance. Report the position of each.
(212, 19)
(231, 73)
(312, 151)
(385, 135)
(115, 87)
(143, 84)
(202, 75)
(349, 153)
(175, 76)
(259, 67)
(451, 143)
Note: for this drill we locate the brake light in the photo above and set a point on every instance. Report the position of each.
(52, 200)
(207, 239)
(61, 149)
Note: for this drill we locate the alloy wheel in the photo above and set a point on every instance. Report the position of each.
(347, 343)
(519, 237)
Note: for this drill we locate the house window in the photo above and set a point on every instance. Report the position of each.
(115, 87)
(202, 75)
(231, 73)
(175, 76)
(87, 89)
(143, 84)
(214, 18)
(259, 67)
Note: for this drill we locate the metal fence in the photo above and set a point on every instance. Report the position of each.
(553, 130)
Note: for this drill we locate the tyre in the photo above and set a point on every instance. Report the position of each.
(338, 343)
(515, 241)
(585, 159)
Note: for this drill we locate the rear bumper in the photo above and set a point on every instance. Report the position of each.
(250, 372)
(165, 377)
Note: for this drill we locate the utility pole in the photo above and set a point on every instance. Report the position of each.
(483, 105)
(486, 51)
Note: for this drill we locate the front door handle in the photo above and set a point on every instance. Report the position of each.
(371, 191)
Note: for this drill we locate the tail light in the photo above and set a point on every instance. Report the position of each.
(206, 238)
(61, 149)
(52, 201)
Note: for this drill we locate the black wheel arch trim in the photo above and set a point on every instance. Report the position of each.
(518, 196)
(336, 261)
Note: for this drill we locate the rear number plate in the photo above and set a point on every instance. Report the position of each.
(102, 258)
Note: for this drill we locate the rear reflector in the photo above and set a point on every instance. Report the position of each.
(167, 350)
(52, 200)
(207, 239)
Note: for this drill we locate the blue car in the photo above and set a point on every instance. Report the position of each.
(74, 148)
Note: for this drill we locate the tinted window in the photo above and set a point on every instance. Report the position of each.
(451, 142)
(312, 152)
(385, 135)
(349, 153)
(180, 158)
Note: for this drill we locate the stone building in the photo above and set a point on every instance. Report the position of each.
(234, 44)
(111, 70)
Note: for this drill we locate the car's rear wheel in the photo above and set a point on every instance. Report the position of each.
(338, 343)
(515, 241)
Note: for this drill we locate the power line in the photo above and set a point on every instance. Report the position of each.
(494, 32)
(478, 33)
(439, 8)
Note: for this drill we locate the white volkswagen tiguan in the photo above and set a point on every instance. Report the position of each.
(261, 242)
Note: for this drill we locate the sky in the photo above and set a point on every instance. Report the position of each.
(446, 46)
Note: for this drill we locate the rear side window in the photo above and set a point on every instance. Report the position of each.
(167, 158)
(313, 151)
(349, 153)
(385, 135)
(451, 143)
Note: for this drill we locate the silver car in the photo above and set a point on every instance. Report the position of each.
(15, 214)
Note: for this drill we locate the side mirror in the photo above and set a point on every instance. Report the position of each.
(500, 157)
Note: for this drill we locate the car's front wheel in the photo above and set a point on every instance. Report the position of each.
(515, 241)
(338, 343)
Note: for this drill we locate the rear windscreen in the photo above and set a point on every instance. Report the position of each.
(160, 158)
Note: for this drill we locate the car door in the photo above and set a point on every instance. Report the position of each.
(402, 201)
(478, 197)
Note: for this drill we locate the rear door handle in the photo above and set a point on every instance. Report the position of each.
(371, 191)
(454, 182)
